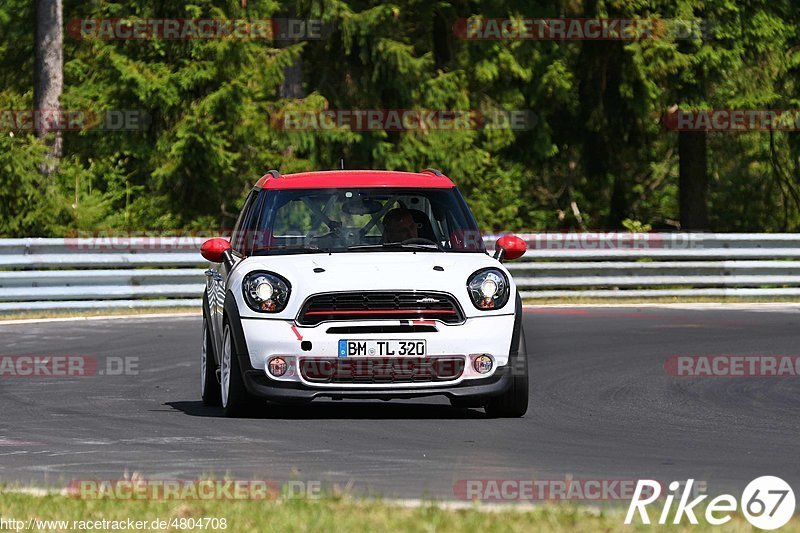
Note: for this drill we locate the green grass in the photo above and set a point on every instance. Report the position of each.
(332, 514)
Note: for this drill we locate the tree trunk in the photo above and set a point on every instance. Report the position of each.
(49, 77)
(693, 180)
(442, 48)
(292, 86)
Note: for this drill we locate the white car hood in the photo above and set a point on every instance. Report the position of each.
(370, 271)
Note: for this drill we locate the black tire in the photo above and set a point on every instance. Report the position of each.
(237, 402)
(209, 386)
(514, 402)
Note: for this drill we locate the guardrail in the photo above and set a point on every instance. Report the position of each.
(45, 274)
(87, 273)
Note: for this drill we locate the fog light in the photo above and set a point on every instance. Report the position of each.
(482, 364)
(277, 366)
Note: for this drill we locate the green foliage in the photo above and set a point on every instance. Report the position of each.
(598, 154)
(636, 226)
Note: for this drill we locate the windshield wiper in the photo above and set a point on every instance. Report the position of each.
(291, 249)
(385, 245)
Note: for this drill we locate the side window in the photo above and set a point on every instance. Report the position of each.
(239, 231)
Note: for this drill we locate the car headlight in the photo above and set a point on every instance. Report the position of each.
(488, 289)
(266, 292)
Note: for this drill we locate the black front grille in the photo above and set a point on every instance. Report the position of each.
(380, 306)
(364, 330)
(366, 370)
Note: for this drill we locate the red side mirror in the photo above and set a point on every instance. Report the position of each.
(214, 249)
(512, 246)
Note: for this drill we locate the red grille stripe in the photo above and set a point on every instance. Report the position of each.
(384, 312)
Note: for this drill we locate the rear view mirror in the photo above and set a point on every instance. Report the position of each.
(214, 249)
(357, 206)
(510, 247)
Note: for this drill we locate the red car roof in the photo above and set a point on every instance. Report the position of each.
(335, 179)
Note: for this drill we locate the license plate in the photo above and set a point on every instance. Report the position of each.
(387, 348)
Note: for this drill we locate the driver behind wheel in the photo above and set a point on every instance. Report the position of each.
(399, 225)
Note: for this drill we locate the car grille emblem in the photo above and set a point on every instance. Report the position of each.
(428, 301)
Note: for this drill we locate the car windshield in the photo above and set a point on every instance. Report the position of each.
(360, 220)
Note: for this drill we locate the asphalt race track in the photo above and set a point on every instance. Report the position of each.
(602, 407)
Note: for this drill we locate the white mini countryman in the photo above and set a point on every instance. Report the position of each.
(361, 284)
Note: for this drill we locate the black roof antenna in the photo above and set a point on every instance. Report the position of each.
(434, 171)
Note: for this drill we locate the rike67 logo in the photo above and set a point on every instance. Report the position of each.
(767, 503)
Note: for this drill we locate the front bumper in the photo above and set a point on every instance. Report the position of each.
(260, 385)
